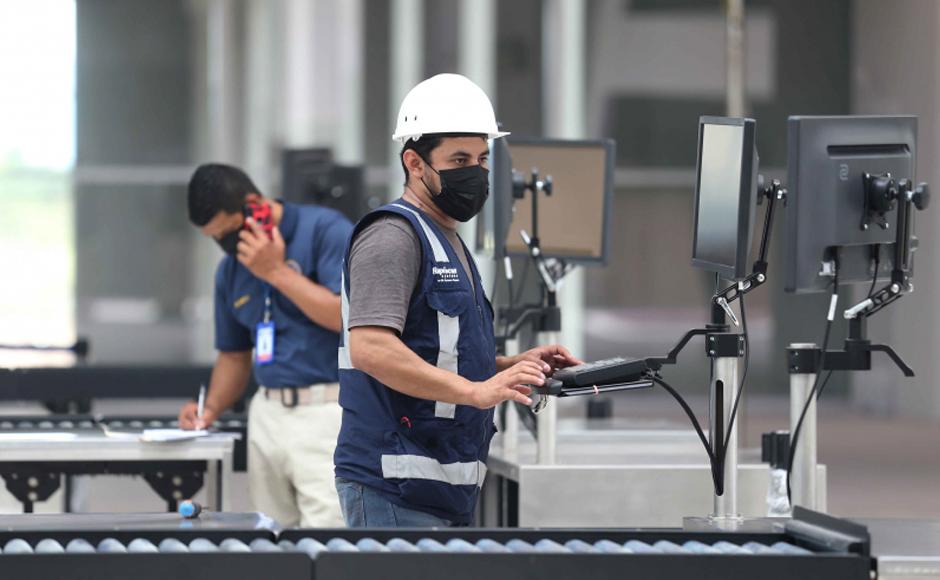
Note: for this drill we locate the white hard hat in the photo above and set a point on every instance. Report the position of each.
(446, 103)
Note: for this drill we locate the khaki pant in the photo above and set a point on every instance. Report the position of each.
(290, 461)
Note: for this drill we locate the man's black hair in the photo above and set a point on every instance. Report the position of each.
(216, 187)
(426, 144)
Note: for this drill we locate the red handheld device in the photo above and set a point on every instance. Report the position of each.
(261, 214)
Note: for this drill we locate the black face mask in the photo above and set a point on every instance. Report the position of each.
(464, 190)
(229, 242)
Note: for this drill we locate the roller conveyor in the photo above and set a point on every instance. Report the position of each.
(223, 545)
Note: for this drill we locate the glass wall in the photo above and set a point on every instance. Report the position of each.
(37, 154)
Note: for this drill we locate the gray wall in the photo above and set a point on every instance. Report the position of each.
(647, 92)
(902, 76)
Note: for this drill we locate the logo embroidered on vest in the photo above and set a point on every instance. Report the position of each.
(445, 274)
(242, 301)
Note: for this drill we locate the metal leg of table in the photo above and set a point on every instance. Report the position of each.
(212, 484)
(227, 465)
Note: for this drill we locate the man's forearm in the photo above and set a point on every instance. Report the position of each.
(317, 302)
(229, 378)
(379, 352)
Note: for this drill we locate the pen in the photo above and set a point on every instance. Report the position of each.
(201, 405)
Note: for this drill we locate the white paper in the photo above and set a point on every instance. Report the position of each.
(165, 435)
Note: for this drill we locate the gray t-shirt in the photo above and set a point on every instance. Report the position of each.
(384, 264)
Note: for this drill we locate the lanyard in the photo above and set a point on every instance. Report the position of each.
(267, 303)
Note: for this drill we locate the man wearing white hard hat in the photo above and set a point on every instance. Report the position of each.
(418, 372)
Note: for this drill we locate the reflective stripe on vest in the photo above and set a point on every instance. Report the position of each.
(448, 327)
(345, 361)
(418, 467)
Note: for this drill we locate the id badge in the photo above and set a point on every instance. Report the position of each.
(264, 343)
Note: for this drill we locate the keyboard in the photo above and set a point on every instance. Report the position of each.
(600, 372)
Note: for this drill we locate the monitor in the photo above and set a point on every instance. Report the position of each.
(828, 158)
(573, 220)
(310, 176)
(725, 195)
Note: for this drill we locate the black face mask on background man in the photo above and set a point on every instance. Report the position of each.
(464, 190)
(229, 242)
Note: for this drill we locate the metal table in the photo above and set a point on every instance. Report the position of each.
(95, 526)
(905, 549)
(37, 463)
(614, 474)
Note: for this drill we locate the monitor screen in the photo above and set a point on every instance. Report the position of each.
(724, 196)
(582, 185)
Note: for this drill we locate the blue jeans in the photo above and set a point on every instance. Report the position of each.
(363, 507)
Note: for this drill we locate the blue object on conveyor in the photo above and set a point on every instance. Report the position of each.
(189, 509)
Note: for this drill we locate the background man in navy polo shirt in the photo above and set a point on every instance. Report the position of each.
(283, 288)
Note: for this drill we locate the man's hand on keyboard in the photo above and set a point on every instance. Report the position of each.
(552, 357)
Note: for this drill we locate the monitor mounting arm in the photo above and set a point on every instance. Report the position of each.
(545, 316)
(723, 298)
(883, 194)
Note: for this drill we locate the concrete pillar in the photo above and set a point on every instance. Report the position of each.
(407, 70)
(476, 57)
(564, 94)
(216, 137)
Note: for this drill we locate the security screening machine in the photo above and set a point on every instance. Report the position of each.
(727, 190)
(566, 178)
(852, 197)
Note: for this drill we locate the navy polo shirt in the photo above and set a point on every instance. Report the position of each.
(304, 352)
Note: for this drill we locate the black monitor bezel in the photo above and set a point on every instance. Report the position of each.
(747, 192)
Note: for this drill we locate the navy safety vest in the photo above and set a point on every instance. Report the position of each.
(420, 454)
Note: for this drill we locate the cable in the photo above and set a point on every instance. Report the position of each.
(795, 437)
(737, 398)
(522, 280)
(822, 387)
(874, 279)
(695, 424)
